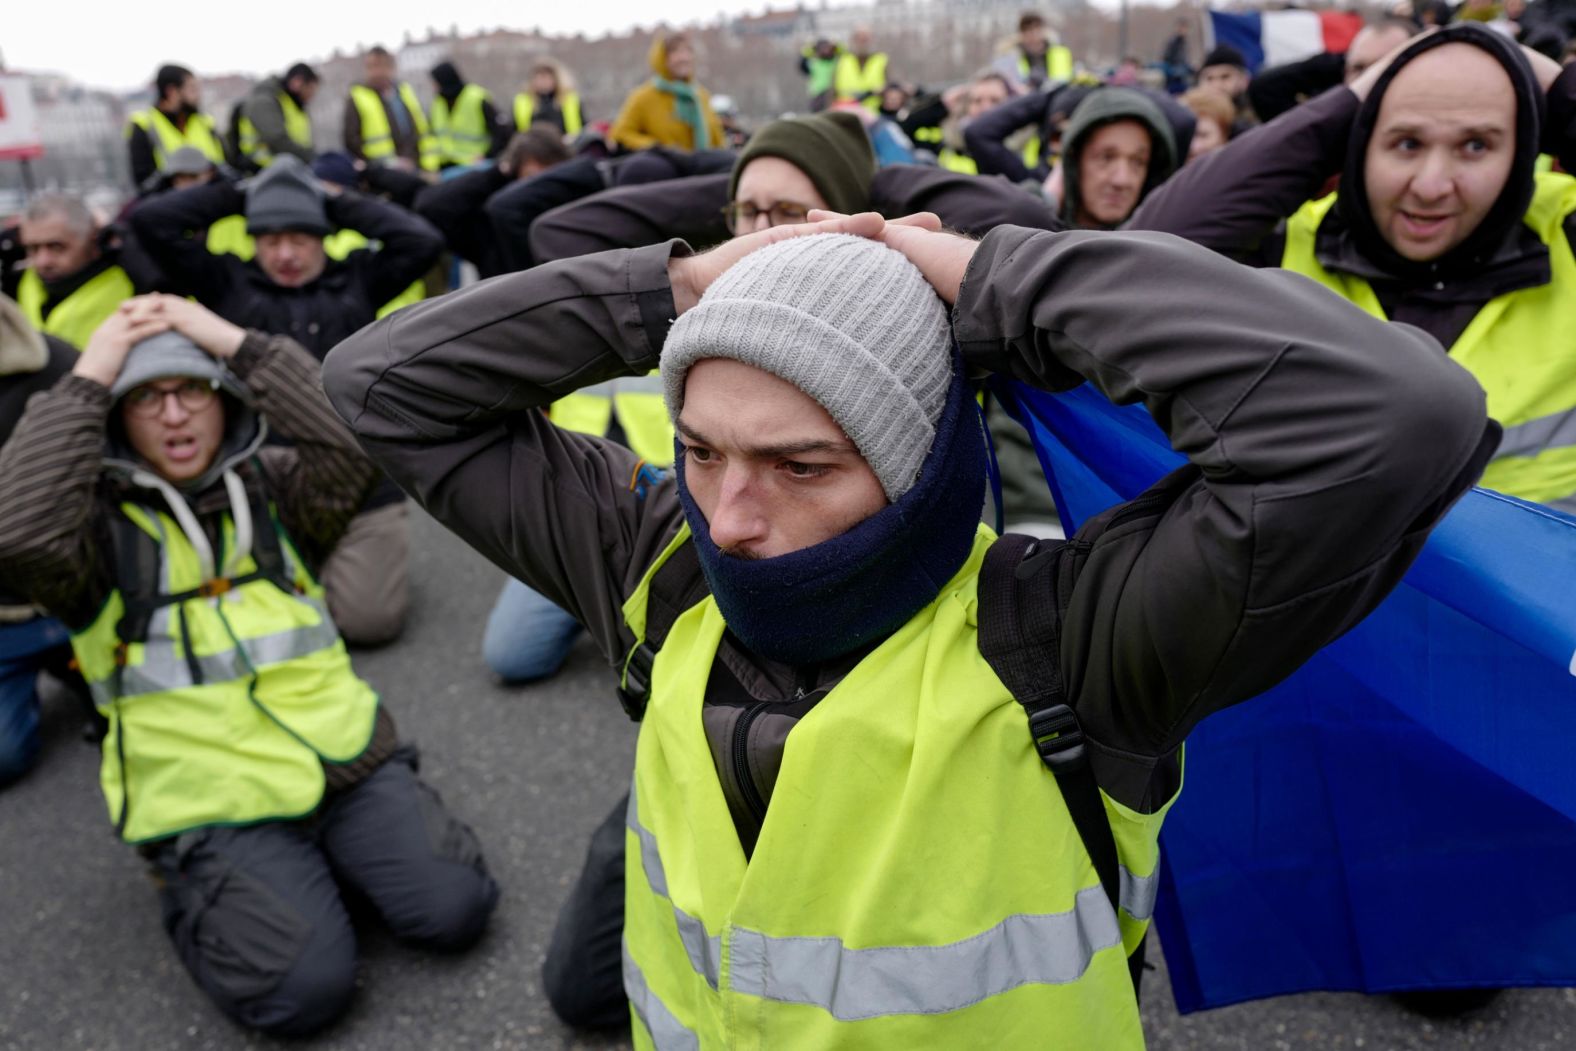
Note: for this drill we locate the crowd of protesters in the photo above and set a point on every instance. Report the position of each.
(194, 537)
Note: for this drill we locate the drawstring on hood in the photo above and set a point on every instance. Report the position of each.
(1353, 218)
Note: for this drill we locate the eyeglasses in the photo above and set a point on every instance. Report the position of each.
(193, 394)
(741, 215)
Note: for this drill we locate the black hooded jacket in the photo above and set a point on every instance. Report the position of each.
(1236, 200)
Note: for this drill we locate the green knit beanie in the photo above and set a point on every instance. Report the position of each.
(831, 148)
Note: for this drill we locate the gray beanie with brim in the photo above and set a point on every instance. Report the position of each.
(286, 197)
(847, 320)
(167, 355)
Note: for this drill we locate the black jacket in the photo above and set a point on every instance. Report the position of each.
(317, 316)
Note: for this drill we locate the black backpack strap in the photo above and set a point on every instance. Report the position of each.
(676, 586)
(1020, 624)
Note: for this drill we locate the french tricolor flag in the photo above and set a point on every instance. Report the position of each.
(1273, 38)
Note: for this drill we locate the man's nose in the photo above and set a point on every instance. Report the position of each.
(737, 518)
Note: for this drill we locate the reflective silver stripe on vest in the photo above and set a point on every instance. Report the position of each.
(1554, 431)
(705, 953)
(854, 984)
(163, 669)
(667, 1032)
(1138, 893)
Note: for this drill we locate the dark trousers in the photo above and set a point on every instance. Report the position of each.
(583, 973)
(514, 208)
(257, 916)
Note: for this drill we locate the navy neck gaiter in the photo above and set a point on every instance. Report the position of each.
(825, 601)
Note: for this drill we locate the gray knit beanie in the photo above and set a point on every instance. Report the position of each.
(847, 320)
(286, 196)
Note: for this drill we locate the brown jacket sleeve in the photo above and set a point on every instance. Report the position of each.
(447, 396)
(49, 472)
(1325, 445)
(321, 479)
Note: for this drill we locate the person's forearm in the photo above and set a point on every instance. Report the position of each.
(165, 226)
(634, 216)
(1326, 443)
(987, 134)
(329, 476)
(969, 204)
(408, 244)
(447, 396)
(1233, 199)
(48, 471)
(144, 165)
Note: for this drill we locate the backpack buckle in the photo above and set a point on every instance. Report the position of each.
(635, 691)
(215, 587)
(1057, 738)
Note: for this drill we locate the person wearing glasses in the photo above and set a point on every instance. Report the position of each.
(247, 762)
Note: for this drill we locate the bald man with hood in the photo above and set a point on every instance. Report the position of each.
(1442, 221)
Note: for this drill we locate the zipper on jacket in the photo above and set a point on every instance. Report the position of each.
(120, 757)
(741, 762)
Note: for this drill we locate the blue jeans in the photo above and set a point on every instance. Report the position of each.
(528, 636)
(25, 650)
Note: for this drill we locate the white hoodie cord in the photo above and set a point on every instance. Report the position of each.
(241, 514)
(183, 516)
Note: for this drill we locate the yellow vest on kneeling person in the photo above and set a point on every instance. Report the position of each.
(918, 881)
(1521, 347)
(228, 236)
(226, 711)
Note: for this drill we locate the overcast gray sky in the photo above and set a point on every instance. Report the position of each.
(119, 43)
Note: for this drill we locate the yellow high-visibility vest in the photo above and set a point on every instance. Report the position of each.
(166, 138)
(298, 126)
(377, 135)
(1521, 347)
(918, 881)
(461, 136)
(226, 713)
(568, 105)
(1058, 64)
(228, 236)
(74, 318)
(861, 82)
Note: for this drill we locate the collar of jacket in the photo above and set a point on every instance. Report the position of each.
(1520, 260)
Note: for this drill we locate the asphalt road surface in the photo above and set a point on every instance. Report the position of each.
(84, 962)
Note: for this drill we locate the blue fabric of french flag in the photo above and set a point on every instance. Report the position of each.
(1274, 38)
(1399, 814)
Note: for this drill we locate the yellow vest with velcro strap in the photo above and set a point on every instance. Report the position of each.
(461, 136)
(1521, 347)
(228, 236)
(918, 881)
(641, 412)
(226, 713)
(167, 138)
(861, 82)
(568, 105)
(377, 135)
(74, 318)
(298, 127)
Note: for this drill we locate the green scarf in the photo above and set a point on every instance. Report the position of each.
(687, 106)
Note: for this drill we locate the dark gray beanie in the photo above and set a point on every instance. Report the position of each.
(286, 196)
(167, 355)
(847, 320)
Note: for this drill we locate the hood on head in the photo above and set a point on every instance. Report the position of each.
(22, 348)
(1107, 105)
(168, 355)
(1504, 219)
(447, 78)
(658, 57)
